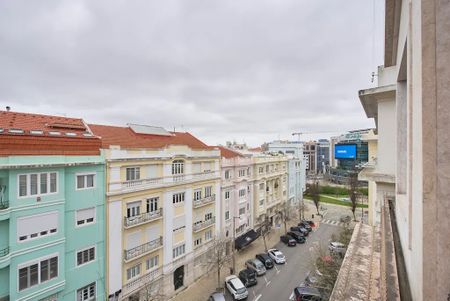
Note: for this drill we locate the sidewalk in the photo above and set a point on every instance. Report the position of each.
(205, 286)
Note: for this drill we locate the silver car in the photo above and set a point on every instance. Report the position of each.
(256, 265)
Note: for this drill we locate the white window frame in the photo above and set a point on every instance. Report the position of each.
(179, 245)
(134, 167)
(208, 237)
(147, 268)
(85, 175)
(227, 174)
(136, 275)
(182, 199)
(85, 224)
(39, 234)
(178, 167)
(38, 183)
(87, 262)
(243, 194)
(199, 192)
(208, 191)
(225, 196)
(87, 286)
(38, 261)
(228, 211)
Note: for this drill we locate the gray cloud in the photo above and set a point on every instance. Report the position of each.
(244, 70)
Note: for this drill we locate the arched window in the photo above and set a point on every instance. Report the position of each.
(178, 167)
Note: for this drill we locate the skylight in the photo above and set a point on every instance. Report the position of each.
(71, 134)
(53, 133)
(16, 131)
(36, 132)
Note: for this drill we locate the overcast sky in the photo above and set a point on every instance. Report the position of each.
(250, 71)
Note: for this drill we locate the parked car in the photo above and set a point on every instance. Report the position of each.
(256, 265)
(336, 247)
(264, 258)
(277, 256)
(311, 223)
(299, 238)
(217, 297)
(302, 230)
(248, 277)
(303, 293)
(305, 225)
(289, 241)
(236, 288)
(345, 219)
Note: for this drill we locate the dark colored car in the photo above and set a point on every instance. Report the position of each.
(288, 240)
(301, 230)
(305, 225)
(306, 293)
(265, 259)
(299, 238)
(248, 277)
(311, 223)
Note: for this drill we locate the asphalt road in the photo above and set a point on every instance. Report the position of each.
(278, 283)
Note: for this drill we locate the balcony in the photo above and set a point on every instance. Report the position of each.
(143, 249)
(205, 224)
(141, 282)
(4, 205)
(4, 252)
(143, 218)
(204, 201)
(150, 183)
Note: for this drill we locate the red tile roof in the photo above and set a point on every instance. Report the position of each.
(228, 153)
(255, 149)
(125, 137)
(34, 134)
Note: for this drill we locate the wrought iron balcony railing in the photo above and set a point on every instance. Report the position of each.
(142, 249)
(142, 218)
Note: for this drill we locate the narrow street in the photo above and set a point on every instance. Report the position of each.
(279, 282)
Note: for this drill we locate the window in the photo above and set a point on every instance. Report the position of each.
(38, 272)
(85, 216)
(152, 262)
(85, 256)
(267, 168)
(261, 186)
(37, 184)
(227, 174)
(197, 194)
(35, 226)
(242, 193)
(227, 195)
(152, 204)
(85, 181)
(261, 170)
(198, 241)
(178, 197)
(208, 235)
(133, 209)
(208, 216)
(242, 211)
(208, 190)
(133, 271)
(178, 167)
(86, 293)
(133, 173)
(248, 206)
(261, 202)
(241, 172)
(227, 215)
(178, 251)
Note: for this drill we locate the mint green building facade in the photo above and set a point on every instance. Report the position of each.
(52, 229)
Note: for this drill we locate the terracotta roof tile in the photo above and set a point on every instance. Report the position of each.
(31, 134)
(127, 138)
(228, 153)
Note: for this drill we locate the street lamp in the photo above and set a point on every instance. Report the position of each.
(234, 242)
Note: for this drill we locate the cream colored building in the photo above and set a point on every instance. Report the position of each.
(162, 191)
(269, 188)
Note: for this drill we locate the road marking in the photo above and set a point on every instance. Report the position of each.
(276, 269)
(257, 298)
(267, 284)
(254, 295)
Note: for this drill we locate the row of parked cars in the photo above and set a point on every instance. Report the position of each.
(297, 234)
(237, 285)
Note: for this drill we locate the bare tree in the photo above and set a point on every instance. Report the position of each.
(265, 230)
(353, 191)
(153, 291)
(314, 191)
(217, 256)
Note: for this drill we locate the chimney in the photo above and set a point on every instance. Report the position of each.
(8, 108)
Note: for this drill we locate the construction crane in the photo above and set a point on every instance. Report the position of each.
(299, 134)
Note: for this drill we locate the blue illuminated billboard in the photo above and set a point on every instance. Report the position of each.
(345, 151)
